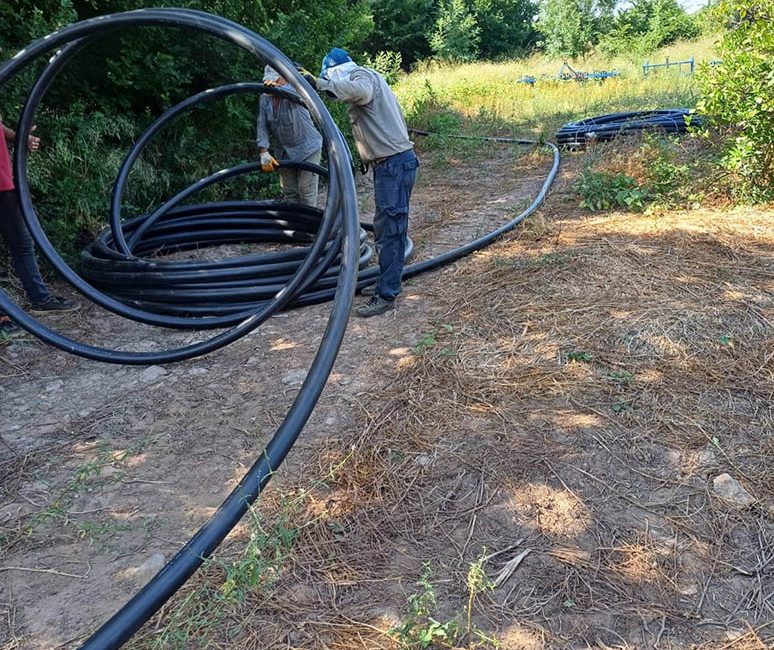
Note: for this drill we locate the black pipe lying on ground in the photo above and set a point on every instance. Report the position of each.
(325, 267)
(608, 127)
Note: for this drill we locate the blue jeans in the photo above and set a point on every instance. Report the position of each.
(393, 181)
(21, 247)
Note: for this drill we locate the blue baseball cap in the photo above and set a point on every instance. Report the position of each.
(335, 57)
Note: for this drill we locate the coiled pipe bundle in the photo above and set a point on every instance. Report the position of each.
(122, 276)
(608, 127)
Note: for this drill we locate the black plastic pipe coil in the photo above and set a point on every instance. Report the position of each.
(608, 127)
(339, 221)
(325, 266)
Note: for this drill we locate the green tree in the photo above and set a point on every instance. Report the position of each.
(738, 94)
(646, 25)
(403, 26)
(456, 36)
(570, 28)
(507, 26)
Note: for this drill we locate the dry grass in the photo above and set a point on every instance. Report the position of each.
(573, 394)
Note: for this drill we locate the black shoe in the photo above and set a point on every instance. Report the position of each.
(8, 329)
(54, 303)
(377, 305)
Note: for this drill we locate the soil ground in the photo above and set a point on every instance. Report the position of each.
(554, 410)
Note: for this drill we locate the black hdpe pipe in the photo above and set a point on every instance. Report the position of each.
(341, 211)
(180, 288)
(486, 240)
(338, 206)
(608, 127)
(214, 303)
(145, 316)
(342, 203)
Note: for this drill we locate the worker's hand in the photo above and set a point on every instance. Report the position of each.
(268, 162)
(310, 78)
(33, 142)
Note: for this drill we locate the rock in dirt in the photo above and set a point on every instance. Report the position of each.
(706, 458)
(294, 378)
(731, 491)
(143, 573)
(152, 373)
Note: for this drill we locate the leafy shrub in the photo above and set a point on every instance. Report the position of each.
(602, 190)
(738, 95)
(387, 64)
(647, 25)
(72, 175)
(456, 36)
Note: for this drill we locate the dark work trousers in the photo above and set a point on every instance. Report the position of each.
(21, 247)
(394, 179)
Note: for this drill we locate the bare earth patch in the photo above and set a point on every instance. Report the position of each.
(554, 409)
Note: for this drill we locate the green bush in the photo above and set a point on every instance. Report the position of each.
(738, 95)
(647, 25)
(387, 64)
(664, 174)
(571, 28)
(602, 190)
(72, 175)
(456, 35)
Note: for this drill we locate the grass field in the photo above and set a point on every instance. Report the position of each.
(489, 94)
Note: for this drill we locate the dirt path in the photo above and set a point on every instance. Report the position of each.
(568, 396)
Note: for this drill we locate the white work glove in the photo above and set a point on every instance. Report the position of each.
(268, 162)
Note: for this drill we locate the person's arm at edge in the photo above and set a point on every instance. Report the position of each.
(33, 142)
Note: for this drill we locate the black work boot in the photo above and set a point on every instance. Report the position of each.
(375, 306)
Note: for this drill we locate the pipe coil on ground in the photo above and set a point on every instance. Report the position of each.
(339, 217)
(608, 127)
(340, 209)
(325, 267)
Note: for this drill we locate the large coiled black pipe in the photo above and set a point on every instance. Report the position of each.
(338, 207)
(341, 211)
(607, 127)
(326, 267)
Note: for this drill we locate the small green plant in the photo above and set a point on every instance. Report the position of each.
(577, 356)
(478, 583)
(620, 377)
(419, 629)
(601, 190)
(430, 339)
(261, 559)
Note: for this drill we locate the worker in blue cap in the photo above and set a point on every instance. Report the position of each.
(381, 135)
